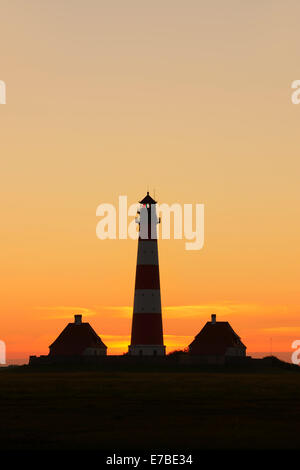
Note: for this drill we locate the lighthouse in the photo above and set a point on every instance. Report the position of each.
(147, 330)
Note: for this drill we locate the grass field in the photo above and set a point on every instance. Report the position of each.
(131, 410)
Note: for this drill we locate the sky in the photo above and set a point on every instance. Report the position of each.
(190, 99)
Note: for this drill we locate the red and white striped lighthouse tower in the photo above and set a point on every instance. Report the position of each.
(147, 331)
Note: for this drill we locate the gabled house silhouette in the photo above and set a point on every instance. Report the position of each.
(78, 339)
(216, 342)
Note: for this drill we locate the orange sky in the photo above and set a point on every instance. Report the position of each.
(109, 98)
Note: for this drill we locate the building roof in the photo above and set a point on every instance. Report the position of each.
(74, 339)
(214, 339)
(147, 200)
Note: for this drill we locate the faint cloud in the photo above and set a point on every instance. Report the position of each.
(66, 312)
(283, 329)
(121, 311)
(222, 309)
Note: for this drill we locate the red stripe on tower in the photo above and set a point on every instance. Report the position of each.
(147, 330)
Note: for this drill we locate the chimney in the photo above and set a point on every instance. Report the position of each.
(213, 319)
(78, 319)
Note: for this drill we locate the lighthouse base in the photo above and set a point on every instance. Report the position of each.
(146, 350)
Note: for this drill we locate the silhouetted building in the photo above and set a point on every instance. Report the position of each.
(216, 342)
(147, 331)
(78, 339)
